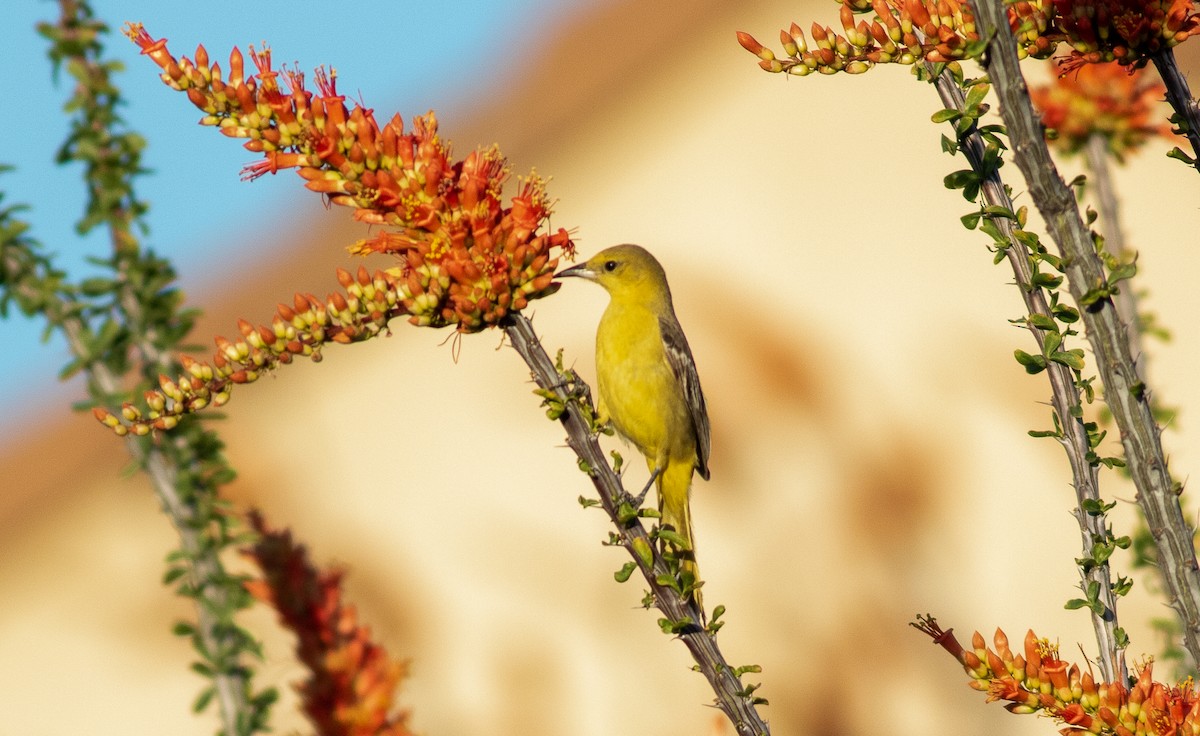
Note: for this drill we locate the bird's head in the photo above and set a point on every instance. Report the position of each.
(626, 271)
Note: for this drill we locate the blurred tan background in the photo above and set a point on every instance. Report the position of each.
(870, 457)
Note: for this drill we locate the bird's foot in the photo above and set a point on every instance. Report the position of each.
(637, 501)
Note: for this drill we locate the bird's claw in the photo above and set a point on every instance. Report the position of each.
(637, 501)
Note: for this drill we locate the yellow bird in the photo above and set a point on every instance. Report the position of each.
(647, 382)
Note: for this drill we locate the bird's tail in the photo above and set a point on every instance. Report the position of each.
(674, 488)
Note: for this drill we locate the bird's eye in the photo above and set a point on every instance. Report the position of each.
(610, 265)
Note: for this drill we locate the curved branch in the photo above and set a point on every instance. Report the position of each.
(1125, 393)
(1065, 397)
(682, 613)
(1179, 97)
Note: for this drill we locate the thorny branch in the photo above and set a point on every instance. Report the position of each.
(733, 698)
(1065, 396)
(1126, 395)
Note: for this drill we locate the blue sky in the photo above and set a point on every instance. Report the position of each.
(414, 55)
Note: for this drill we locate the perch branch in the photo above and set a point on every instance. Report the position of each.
(733, 698)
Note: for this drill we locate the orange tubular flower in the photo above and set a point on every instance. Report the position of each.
(1115, 102)
(908, 31)
(465, 260)
(1039, 681)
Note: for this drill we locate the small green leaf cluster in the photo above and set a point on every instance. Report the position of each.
(1118, 271)
(28, 279)
(222, 645)
(110, 153)
(571, 393)
(1179, 125)
(966, 121)
(715, 623)
(747, 692)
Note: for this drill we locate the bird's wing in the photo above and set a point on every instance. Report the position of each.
(679, 357)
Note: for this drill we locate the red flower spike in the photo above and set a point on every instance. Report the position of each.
(464, 258)
(1041, 682)
(1126, 31)
(1120, 104)
(407, 181)
(352, 682)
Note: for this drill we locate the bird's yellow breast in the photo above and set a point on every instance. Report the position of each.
(638, 391)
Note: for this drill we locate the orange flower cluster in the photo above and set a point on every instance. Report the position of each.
(1038, 680)
(352, 683)
(465, 259)
(908, 31)
(1126, 31)
(363, 311)
(1102, 99)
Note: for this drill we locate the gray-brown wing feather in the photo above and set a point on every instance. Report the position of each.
(679, 357)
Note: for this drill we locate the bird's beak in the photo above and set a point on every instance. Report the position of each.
(581, 270)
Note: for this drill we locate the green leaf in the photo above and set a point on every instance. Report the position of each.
(960, 179)
(976, 94)
(1051, 259)
(1065, 313)
(674, 627)
(642, 549)
(1070, 358)
(1046, 280)
(183, 628)
(202, 700)
(987, 226)
(971, 220)
(674, 538)
(1095, 506)
(1122, 272)
(1123, 585)
(1043, 322)
(625, 572)
(1034, 364)
(1178, 153)
(172, 574)
(626, 513)
(942, 116)
(97, 286)
(668, 581)
(201, 668)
